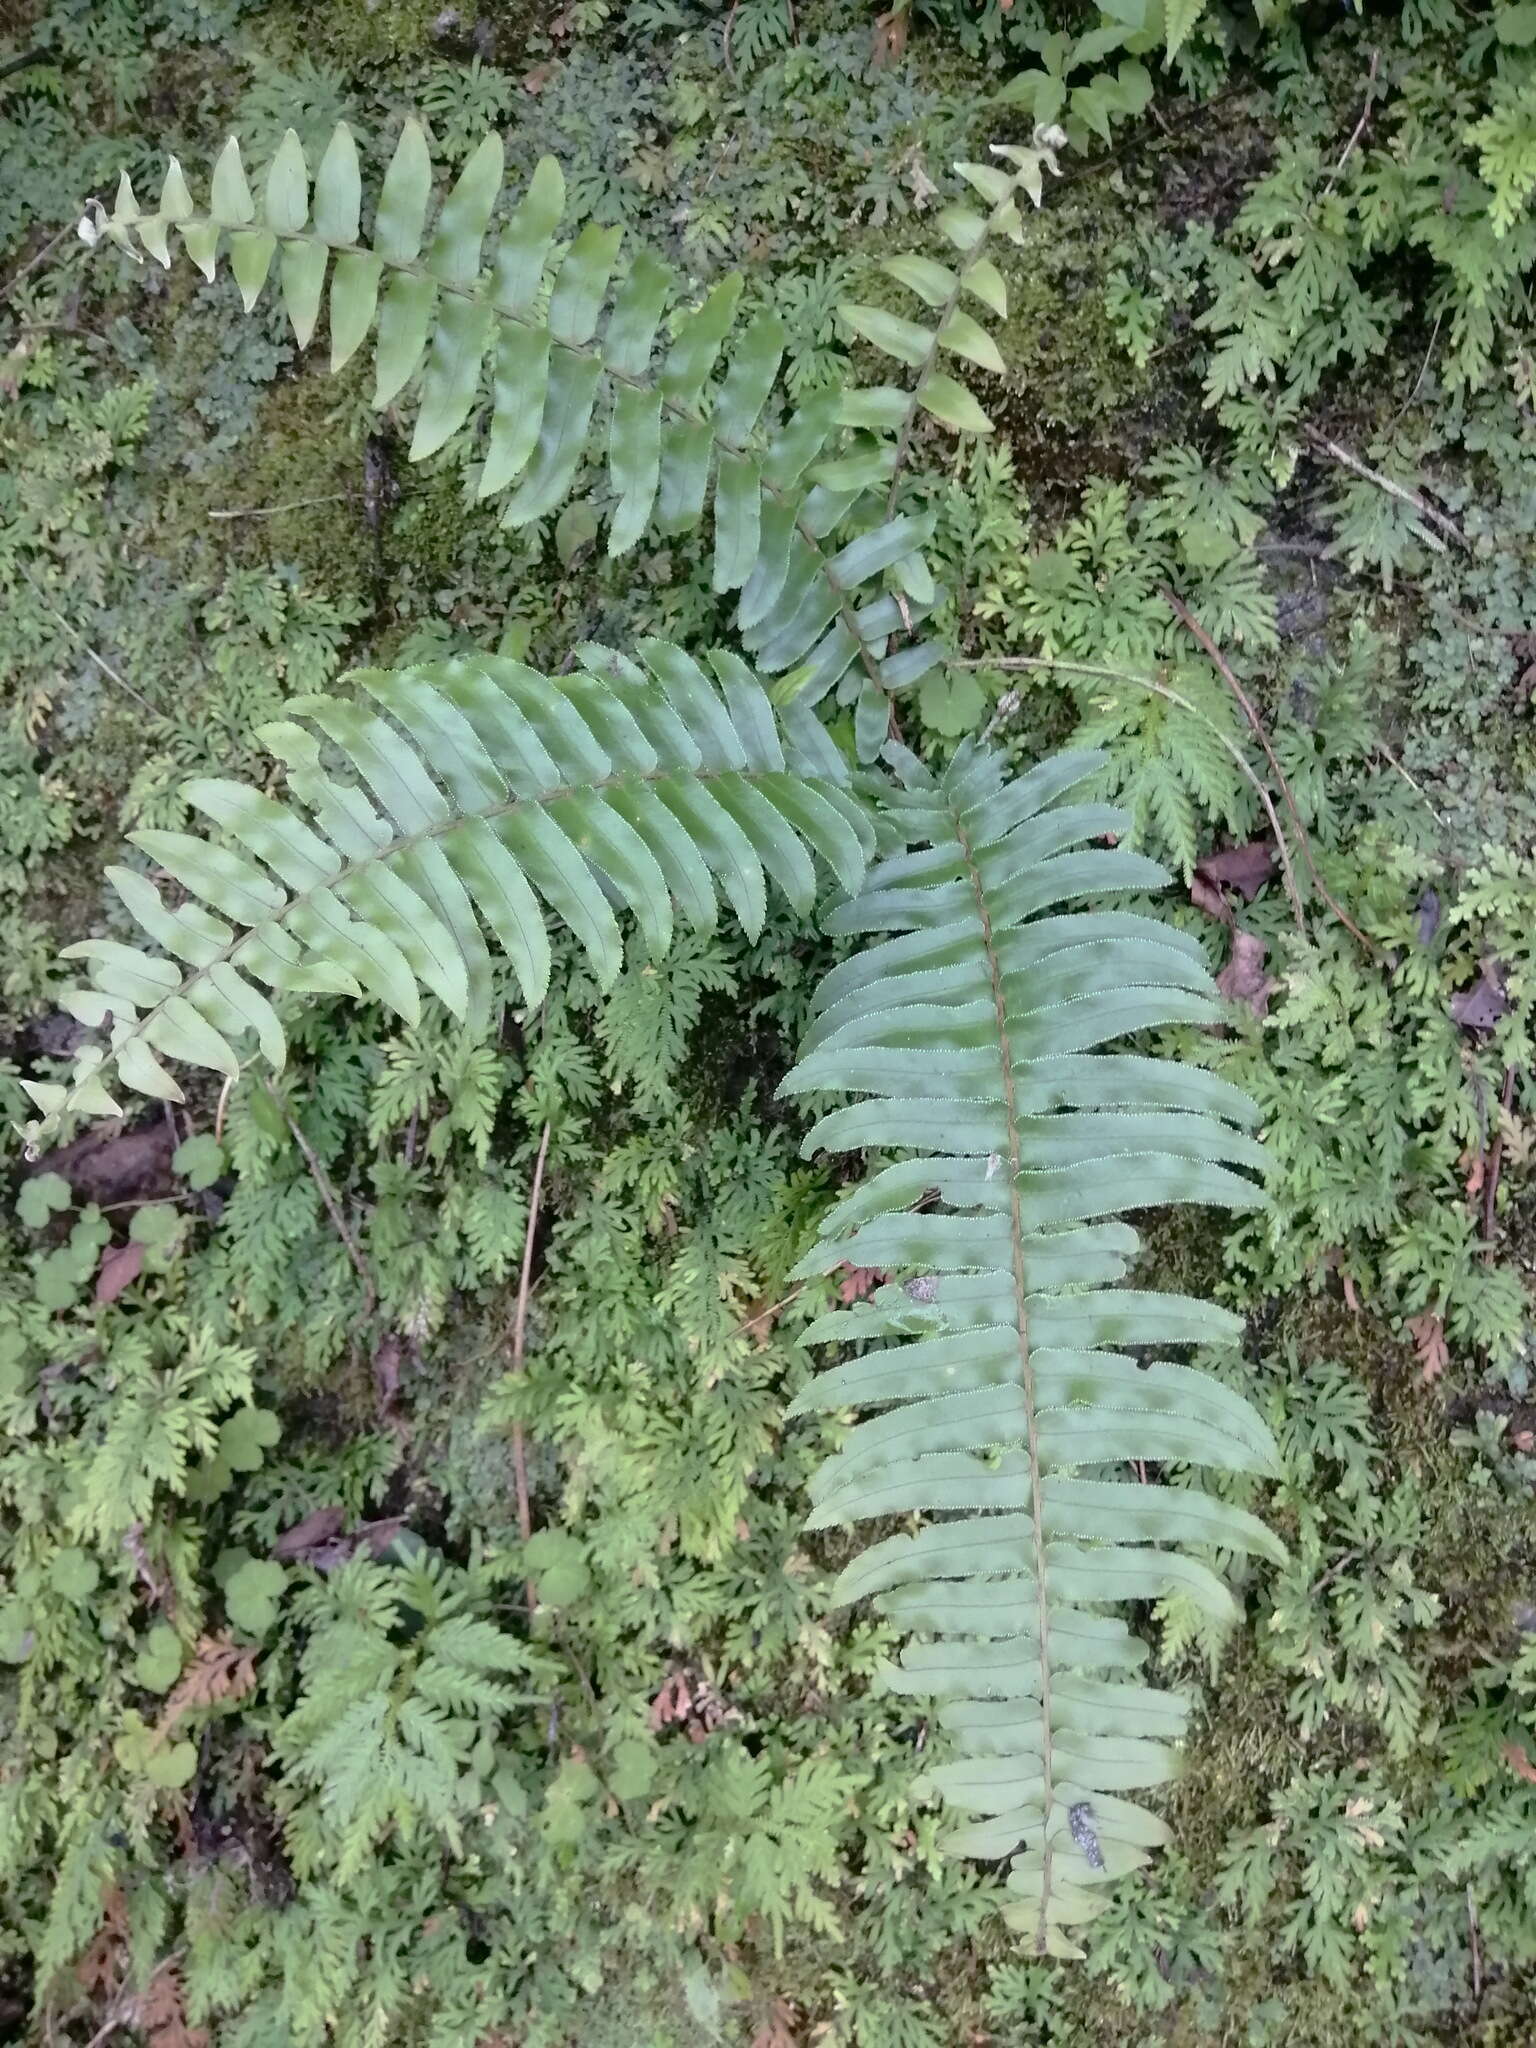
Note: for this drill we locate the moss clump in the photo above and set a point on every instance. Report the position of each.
(304, 478)
(360, 32)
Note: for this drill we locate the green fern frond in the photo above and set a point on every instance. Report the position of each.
(1007, 1393)
(800, 529)
(480, 793)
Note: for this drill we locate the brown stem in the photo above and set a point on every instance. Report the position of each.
(328, 1196)
(84, 645)
(1495, 1167)
(1172, 696)
(1224, 670)
(519, 1329)
(1404, 496)
(32, 262)
(1365, 115)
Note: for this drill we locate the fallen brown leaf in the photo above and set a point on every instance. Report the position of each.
(1243, 979)
(121, 1265)
(320, 1525)
(1428, 1333)
(855, 1282)
(778, 2030)
(889, 42)
(159, 2016)
(1207, 897)
(1514, 1755)
(220, 1670)
(1480, 1007)
(132, 1166)
(1244, 868)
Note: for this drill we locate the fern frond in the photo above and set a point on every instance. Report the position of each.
(1004, 1385)
(828, 578)
(480, 792)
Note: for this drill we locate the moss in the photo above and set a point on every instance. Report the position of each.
(303, 474)
(354, 33)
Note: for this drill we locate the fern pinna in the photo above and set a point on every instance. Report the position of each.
(1007, 1394)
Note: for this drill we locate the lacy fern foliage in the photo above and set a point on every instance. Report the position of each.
(478, 793)
(1003, 1395)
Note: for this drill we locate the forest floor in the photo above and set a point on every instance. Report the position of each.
(700, 1819)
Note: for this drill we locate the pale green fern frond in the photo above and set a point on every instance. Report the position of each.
(827, 579)
(1003, 1395)
(471, 796)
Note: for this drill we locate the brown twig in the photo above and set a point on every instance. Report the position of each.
(1495, 1167)
(1412, 780)
(32, 262)
(1401, 492)
(519, 1329)
(725, 40)
(1224, 669)
(1365, 115)
(298, 505)
(763, 1315)
(25, 61)
(1327, 1578)
(84, 645)
(328, 1197)
(1477, 1954)
(1171, 696)
(1434, 336)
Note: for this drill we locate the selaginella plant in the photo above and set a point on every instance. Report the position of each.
(1010, 1390)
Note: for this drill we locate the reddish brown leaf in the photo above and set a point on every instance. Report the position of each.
(890, 38)
(1243, 979)
(1475, 1166)
(319, 1526)
(159, 2015)
(121, 1265)
(673, 1703)
(765, 1313)
(1207, 897)
(688, 1701)
(386, 1372)
(778, 2030)
(855, 1282)
(1428, 1334)
(1244, 868)
(381, 1536)
(220, 1670)
(1515, 1756)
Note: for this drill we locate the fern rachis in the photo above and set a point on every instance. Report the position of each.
(973, 1038)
